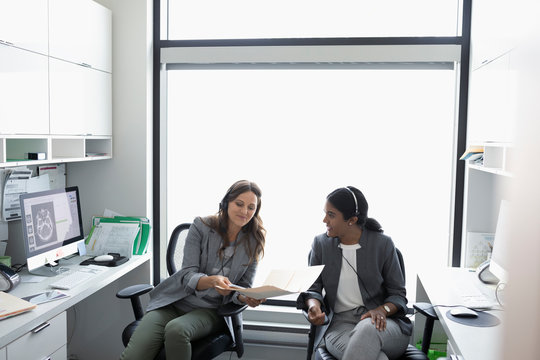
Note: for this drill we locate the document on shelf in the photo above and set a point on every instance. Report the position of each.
(282, 282)
(112, 238)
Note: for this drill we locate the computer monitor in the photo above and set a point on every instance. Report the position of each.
(498, 264)
(52, 228)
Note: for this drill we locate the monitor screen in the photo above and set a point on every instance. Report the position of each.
(498, 264)
(52, 226)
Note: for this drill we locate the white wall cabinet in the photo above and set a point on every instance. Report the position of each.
(80, 100)
(24, 98)
(492, 30)
(24, 24)
(57, 101)
(80, 32)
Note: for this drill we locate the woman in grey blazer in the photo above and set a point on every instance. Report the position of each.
(220, 250)
(364, 286)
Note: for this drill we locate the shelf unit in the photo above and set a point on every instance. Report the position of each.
(56, 65)
(486, 185)
(58, 149)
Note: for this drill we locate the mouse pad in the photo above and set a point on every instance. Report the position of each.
(117, 260)
(483, 319)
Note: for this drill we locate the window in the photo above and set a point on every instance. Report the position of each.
(246, 19)
(301, 133)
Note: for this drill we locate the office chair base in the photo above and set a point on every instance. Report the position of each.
(412, 353)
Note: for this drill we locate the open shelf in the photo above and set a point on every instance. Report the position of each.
(496, 159)
(57, 149)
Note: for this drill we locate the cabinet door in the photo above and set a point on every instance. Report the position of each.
(24, 101)
(23, 23)
(80, 100)
(491, 31)
(80, 32)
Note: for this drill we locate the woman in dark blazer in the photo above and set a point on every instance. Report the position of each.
(364, 286)
(220, 250)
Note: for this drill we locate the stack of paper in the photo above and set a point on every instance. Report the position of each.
(11, 305)
(472, 153)
(125, 235)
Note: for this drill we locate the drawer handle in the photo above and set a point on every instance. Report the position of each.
(41, 327)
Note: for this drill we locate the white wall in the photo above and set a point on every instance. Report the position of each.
(124, 183)
(522, 327)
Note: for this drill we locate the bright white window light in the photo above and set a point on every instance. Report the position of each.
(299, 134)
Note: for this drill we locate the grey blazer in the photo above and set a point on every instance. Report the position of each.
(379, 272)
(200, 254)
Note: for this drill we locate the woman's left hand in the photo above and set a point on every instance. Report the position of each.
(251, 301)
(378, 318)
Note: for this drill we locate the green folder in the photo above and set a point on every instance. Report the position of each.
(140, 244)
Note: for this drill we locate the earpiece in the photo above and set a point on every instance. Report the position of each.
(224, 204)
(355, 201)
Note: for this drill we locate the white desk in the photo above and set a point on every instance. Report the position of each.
(441, 287)
(13, 328)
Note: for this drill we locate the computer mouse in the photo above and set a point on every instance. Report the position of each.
(463, 312)
(103, 258)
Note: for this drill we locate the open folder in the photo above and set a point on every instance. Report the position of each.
(282, 282)
(11, 305)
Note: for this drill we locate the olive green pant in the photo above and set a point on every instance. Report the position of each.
(175, 329)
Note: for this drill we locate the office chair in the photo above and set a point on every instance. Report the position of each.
(411, 353)
(203, 349)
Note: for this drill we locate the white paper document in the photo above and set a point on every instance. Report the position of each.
(57, 174)
(18, 182)
(282, 282)
(112, 238)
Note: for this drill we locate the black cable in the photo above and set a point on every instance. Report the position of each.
(359, 278)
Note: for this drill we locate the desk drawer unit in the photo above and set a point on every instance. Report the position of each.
(47, 341)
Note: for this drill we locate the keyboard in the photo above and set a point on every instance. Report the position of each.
(73, 279)
(473, 298)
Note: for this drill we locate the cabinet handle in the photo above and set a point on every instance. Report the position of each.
(86, 65)
(41, 327)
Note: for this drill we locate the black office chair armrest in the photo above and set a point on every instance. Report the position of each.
(304, 312)
(426, 309)
(230, 309)
(134, 290)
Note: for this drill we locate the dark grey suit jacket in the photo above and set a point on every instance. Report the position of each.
(380, 277)
(200, 254)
